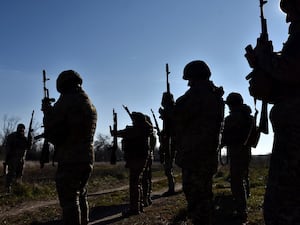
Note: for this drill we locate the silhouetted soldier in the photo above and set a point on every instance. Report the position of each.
(167, 150)
(237, 127)
(16, 146)
(277, 81)
(136, 147)
(197, 116)
(167, 156)
(147, 173)
(70, 126)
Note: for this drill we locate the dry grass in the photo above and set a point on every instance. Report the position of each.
(38, 189)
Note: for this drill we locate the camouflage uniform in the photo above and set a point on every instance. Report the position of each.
(70, 126)
(167, 146)
(167, 158)
(198, 115)
(147, 173)
(136, 147)
(16, 146)
(237, 127)
(282, 199)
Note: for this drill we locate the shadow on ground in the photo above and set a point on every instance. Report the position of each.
(104, 215)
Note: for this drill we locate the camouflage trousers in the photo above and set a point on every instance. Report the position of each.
(239, 179)
(71, 185)
(197, 187)
(168, 168)
(15, 168)
(136, 167)
(282, 199)
(147, 182)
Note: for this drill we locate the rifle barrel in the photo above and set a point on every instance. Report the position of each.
(167, 75)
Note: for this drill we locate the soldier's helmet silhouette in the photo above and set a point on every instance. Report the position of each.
(290, 5)
(138, 117)
(20, 127)
(67, 79)
(234, 99)
(196, 70)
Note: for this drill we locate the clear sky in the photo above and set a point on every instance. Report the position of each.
(120, 48)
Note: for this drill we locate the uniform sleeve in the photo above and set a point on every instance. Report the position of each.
(286, 67)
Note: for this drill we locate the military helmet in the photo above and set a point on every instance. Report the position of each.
(138, 117)
(196, 70)
(67, 79)
(234, 99)
(21, 126)
(287, 5)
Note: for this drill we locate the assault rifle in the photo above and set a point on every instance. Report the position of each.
(30, 130)
(156, 123)
(45, 154)
(254, 133)
(165, 135)
(251, 55)
(128, 111)
(113, 131)
(167, 76)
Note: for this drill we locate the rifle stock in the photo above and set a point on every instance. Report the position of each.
(263, 122)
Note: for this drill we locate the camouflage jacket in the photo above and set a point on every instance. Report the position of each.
(16, 146)
(70, 126)
(282, 78)
(286, 67)
(198, 116)
(237, 126)
(136, 141)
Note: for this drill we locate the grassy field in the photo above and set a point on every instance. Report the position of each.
(34, 201)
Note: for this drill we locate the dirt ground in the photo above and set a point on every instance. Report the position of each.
(156, 214)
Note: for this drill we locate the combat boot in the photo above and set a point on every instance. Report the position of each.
(170, 192)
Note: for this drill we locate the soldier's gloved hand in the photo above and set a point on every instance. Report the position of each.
(260, 85)
(46, 105)
(167, 100)
(161, 112)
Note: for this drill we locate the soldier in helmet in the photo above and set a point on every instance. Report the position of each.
(16, 145)
(197, 116)
(136, 147)
(279, 73)
(237, 127)
(70, 126)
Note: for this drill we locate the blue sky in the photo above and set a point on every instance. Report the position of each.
(120, 47)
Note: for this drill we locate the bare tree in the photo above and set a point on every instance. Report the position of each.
(9, 125)
(102, 141)
(102, 145)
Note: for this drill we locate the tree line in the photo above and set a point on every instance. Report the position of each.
(102, 143)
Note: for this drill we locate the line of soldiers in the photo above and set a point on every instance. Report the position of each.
(197, 119)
